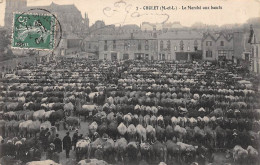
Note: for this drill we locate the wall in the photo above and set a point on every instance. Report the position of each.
(128, 46)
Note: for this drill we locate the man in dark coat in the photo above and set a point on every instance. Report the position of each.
(67, 144)
(50, 151)
(75, 139)
(45, 141)
(1, 148)
(58, 144)
(42, 134)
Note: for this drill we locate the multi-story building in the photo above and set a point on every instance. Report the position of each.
(70, 44)
(179, 45)
(147, 26)
(90, 44)
(128, 46)
(254, 41)
(218, 46)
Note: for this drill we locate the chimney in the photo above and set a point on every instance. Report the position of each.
(251, 34)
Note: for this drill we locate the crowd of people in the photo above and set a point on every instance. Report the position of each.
(137, 111)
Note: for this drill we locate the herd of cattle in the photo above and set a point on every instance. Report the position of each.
(136, 110)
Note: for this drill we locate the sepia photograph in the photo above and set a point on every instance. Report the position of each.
(129, 82)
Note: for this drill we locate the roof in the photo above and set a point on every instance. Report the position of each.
(181, 35)
(215, 36)
(127, 36)
(93, 38)
(130, 27)
(70, 8)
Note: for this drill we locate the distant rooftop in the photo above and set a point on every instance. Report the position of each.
(180, 35)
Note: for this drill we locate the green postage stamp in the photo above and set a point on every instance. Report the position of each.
(33, 31)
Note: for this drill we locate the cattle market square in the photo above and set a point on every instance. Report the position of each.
(75, 93)
(129, 112)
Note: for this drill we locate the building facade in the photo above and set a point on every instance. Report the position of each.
(70, 44)
(179, 45)
(254, 41)
(128, 46)
(218, 46)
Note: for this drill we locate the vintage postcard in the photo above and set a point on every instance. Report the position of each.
(133, 82)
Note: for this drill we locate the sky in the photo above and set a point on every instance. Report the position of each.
(122, 12)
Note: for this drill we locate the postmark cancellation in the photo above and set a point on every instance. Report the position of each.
(33, 31)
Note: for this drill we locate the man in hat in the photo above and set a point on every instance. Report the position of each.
(235, 138)
(67, 144)
(42, 134)
(58, 144)
(50, 151)
(45, 141)
(75, 139)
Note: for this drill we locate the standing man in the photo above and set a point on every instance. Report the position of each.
(75, 139)
(50, 151)
(45, 141)
(67, 144)
(58, 144)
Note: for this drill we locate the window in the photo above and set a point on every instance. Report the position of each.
(146, 45)
(208, 43)
(163, 56)
(126, 45)
(105, 56)
(136, 56)
(181, 45)
(147, 56)
(161, 45)
(222, 53)
(114, 44)
(221, 43)
(89, 45)
(209, 54)
(188, 48)
(256, 52)
(113, 56)
(105, 46)
(139, 45)
(175, 48)
(169, 45)
(247, 56)
(125, 56)
(196, 45)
